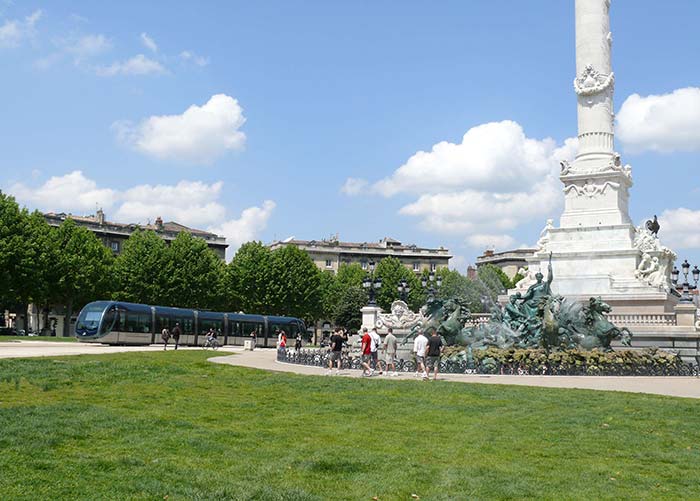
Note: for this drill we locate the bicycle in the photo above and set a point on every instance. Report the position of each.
(212, 343)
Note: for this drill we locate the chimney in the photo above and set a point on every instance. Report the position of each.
(159, 223)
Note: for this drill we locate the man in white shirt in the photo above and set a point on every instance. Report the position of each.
(420, 343)
(376, 343)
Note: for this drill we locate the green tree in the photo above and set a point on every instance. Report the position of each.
(348, 308)
(494, 282)
(295, 286)
(23, 258)
(391, 271)
(82, 268)
(331, 291)
(139, 271)
(350, 275)
(454, 284)
(193, 274)
(248, 277)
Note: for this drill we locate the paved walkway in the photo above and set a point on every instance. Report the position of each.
(23, 349)
(688, 387)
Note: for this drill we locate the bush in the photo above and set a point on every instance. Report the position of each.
(650, 362)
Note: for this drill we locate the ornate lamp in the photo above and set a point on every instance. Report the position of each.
(403, 289)
(372, 285)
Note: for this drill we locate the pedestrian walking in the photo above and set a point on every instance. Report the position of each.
(176, 334)
(434, 352)
(390, 352)
(336, 355)
(282, 342)
(366, 351)
(376, 343)
(297, 342)
(254, 337)
(165, 336)
(419, 346)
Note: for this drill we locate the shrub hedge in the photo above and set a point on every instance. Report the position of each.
(648, 362)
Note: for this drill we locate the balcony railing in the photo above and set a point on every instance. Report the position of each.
(630, 319)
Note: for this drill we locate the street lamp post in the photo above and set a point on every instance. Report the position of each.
(372, 284)
(687, 287)
(404, 289)
(427, 284)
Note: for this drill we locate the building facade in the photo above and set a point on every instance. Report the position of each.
(330, 254)
(509, 261)
(113, 235)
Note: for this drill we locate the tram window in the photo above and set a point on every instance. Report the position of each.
(292, 329)
(234, 328)
(137, 322)
(110, 321)
(205, 324)
(249, 327)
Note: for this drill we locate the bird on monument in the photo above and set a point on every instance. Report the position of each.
(653, 226)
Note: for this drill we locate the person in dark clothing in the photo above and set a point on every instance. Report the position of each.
(336, 351)
(176, 334)
(165, 336)
(297, 342)
(435, 346)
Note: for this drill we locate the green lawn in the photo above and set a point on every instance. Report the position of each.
(170, 425)
(12, 339)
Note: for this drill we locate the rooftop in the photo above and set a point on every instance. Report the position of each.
(334, 243)
(169, 228)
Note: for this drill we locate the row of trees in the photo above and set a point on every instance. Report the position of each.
(69, 266)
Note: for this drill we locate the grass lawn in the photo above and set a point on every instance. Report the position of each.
(170, 425)
(12, 339)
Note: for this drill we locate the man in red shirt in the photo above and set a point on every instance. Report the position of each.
(366, 353)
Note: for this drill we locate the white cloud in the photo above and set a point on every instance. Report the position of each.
(495, 155)
(79, 49)
(247, 227)
(664, 123)
(192, 203)
(137, 65)
(71, 192)
(199, 135)
(679, 228)
(354, 186)
(191, 57)
(87, 46)
(485, 186)
(149, 43)
(15, 31)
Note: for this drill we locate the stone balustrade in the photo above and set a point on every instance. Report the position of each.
(631, 319)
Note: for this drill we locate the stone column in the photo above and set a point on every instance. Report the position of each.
(369, 316)
(595, 81)
(596, 184)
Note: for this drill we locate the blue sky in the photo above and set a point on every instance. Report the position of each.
(288, 100)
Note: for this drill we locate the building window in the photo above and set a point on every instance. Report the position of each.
(115, 246)
(364, 265)
(329, 263)
(433, 266)
(416, 266)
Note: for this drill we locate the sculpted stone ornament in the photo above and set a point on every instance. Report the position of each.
(527, 280)
(590, 189)
(543, 242)
(401, 317)
(591, 81)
